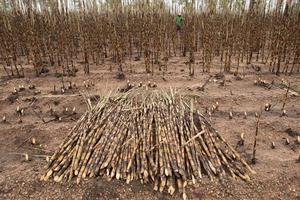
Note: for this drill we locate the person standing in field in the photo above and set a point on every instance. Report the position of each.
(178, 22)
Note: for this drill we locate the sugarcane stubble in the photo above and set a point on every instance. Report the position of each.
(149, 135)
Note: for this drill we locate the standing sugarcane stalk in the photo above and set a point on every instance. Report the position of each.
(253, 160)
(285, 96)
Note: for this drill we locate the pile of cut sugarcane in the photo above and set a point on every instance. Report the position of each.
(149, 135)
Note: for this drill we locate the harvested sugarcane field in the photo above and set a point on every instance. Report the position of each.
(150, 99)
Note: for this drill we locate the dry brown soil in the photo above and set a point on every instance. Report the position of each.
(278, 172)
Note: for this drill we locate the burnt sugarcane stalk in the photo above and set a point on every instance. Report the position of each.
(147, 135)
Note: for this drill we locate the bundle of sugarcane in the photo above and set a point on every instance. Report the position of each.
(151, 135)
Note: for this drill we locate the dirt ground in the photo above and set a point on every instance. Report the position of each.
(278, 171)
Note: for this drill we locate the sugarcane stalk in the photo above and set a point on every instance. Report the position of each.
(157, 136)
